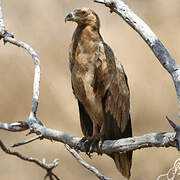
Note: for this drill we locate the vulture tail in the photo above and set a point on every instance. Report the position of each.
(123, 163)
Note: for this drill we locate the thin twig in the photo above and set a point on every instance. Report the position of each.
(27, 141)
(85, 164)
(177, 130)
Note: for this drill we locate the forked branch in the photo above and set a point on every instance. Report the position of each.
(42, 164)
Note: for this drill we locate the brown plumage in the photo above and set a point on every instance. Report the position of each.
(100, 86)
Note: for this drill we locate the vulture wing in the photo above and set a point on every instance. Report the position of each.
(116, 106)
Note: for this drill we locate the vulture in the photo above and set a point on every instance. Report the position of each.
(100, 86)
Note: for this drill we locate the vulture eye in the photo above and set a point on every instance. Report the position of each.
(83, 12)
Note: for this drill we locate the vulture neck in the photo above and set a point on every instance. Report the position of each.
(84, 45)
(89, 32)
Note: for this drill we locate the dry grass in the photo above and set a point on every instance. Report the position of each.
(41, 24)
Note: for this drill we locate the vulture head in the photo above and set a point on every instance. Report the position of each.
(83, 16)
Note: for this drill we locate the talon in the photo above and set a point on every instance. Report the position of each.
(100, 145)
(94, 144)
(90, 144)
(87, 145)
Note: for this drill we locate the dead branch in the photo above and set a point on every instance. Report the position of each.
(85, 164)
(2, 27)
(14, 127)
(10, 38)
(42, 164)
(122, 145)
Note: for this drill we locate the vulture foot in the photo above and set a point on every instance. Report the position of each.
(92, 143)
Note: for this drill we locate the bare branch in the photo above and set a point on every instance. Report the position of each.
(19, 126)
(32, 116)
(42, 164)
(119, 7)
(85, 164)
(121, 145)
(10, 38)
(2, 27)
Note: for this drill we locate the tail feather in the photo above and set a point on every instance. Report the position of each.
(123, 163)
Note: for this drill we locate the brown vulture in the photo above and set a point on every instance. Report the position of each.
(100, 85)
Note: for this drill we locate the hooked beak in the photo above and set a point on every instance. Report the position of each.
(69, 17)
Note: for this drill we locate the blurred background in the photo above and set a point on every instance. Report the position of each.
(41, 25)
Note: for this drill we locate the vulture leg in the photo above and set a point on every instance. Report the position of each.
(95, 141)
